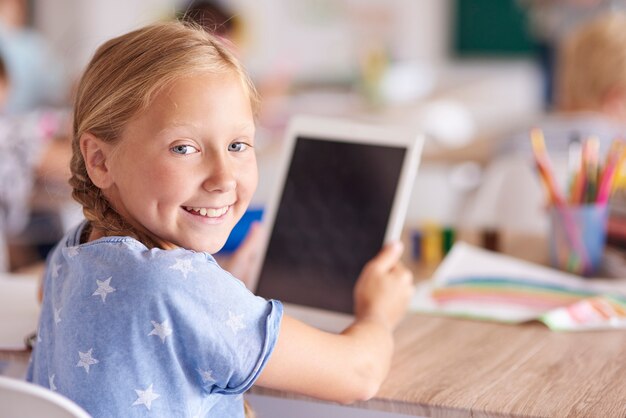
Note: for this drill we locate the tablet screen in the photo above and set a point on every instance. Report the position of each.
(331, 219)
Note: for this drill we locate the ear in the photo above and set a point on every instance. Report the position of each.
(96, 153)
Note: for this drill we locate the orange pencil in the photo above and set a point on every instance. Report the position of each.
(544, 166)
(608, 173)
(579, 258)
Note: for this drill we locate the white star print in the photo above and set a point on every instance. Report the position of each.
(145, 397)
(51, 381)
(86, 360)
(72, 252)
(57, 316)
(103, 289)
(207, 375)
(162, 330)
(55, 270)
(183, 265)
(235, 322)
(198, 413)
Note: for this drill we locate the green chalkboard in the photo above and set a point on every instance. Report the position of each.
(490, 27)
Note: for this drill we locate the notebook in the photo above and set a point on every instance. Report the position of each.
(343, 190)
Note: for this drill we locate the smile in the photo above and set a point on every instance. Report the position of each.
(207, 212)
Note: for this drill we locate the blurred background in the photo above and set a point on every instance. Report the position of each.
(467, 73)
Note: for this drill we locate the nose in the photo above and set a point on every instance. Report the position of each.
(221, 176)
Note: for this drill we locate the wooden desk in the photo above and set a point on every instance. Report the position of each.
(446, 367)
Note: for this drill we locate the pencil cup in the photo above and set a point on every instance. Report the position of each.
(578, 235)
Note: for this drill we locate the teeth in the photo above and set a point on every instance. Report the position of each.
(208, 212)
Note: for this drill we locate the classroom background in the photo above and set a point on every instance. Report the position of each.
(474, 76)
(467, 73)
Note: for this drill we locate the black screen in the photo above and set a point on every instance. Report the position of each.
(330, 221)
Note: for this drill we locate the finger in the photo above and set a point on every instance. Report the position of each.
(389, 256)
(253, 235)
(248, 249)
(400, 270)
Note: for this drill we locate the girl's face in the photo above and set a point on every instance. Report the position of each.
(185, 169)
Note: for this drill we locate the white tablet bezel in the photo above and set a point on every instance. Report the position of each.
(330, 129)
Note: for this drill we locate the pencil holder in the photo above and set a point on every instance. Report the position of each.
(578, 236)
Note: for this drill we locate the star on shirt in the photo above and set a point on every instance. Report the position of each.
(145, 397)
(55, 269)
(104, 288)
(235, 322)
(57, 315)
(162, 330)
(86, 360)
(72, 251)
(200, 413)
(207, 375)
(51, 382)
(183, 265)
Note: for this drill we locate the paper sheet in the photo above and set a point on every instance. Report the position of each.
(476, 283)
(19, 310)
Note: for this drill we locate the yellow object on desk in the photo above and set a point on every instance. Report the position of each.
(432, 244)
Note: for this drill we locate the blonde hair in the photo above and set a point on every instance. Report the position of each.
(593, 62)
(122, 79)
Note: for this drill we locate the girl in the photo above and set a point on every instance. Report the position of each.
(138, 319)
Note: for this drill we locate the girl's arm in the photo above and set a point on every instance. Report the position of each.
(352, 365)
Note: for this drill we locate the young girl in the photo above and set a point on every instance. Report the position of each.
(138, 319)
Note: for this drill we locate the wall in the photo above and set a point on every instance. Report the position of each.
(322, 38)
(76, 28)
(321, 43)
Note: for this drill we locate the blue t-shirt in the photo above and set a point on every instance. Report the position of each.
(128, 331)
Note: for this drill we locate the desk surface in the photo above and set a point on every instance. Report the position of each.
(446, 367)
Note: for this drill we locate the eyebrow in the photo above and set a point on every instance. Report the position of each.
(177, 125)
(244, 126)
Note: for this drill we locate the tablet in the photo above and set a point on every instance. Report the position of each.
(343, 190)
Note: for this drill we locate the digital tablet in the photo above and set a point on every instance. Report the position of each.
(343, 190)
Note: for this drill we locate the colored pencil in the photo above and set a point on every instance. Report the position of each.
(578, 260)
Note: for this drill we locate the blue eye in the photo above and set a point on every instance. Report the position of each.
(238, 146)
(184, 149)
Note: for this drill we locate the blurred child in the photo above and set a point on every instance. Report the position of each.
(551, 22)
(213, 16)
(137, 316)
(591, 99)
(29, 150)
(37, 75)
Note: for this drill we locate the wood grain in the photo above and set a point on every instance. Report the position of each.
(446, 367)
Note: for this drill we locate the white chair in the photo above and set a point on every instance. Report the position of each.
(20, 399)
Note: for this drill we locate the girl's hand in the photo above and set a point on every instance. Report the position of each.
(384, 288)
(352, 365)
(243, 260)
